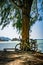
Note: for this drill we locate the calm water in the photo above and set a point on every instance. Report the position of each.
(40, 45)
(11, 44)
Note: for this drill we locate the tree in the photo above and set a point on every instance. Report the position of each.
(23, 22)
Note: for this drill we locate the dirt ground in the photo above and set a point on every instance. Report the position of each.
(23, 58)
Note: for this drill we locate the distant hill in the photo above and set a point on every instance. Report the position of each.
(15, 39)
(4, 39)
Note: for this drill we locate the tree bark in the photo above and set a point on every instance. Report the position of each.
(25, 31)
(25, 25)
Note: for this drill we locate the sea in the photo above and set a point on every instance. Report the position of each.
(12, 44)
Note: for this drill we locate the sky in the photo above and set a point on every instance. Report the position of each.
(9, 31)
(37, 31)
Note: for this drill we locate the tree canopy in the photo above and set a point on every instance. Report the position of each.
(12, 12)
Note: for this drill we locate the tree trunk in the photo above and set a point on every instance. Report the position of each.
(25, 26)
(25, 32)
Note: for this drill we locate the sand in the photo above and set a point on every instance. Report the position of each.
(21, 58)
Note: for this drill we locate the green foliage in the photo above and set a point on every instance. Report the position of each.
(18, 24)
(2, 2)
(4, 13)
(33, 20)
(9, 13)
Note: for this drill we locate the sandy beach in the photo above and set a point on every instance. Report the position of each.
(21, 58)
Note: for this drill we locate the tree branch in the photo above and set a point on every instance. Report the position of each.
(18, 3)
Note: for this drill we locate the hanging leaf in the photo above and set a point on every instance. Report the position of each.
(5, 25)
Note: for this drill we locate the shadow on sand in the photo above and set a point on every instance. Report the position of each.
(6, 57)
